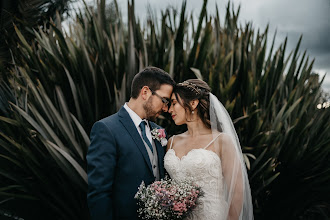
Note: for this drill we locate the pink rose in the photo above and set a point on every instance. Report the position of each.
(161, 133)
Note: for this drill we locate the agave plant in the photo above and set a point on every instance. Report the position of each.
(64, 81)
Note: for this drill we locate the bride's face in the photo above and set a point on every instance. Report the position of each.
(177, 111)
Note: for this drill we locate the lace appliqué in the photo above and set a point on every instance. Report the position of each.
(204, 166)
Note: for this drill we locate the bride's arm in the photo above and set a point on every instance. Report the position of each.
(232, 172)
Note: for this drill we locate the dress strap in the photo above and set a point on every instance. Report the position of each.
(211, 141)
(172, 141)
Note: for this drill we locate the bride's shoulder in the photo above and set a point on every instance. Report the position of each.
(223, 136)
(225, 144)
(178, 138)
(182, 135)
(222, 139)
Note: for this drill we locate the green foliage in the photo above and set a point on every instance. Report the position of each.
(27, 14)
(65, 80)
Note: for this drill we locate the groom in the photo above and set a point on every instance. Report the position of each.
(122, 153)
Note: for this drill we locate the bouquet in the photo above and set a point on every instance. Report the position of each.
(167, 199)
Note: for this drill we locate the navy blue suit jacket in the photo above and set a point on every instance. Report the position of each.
(117, 164)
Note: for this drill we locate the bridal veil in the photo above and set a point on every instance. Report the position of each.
(236, 183)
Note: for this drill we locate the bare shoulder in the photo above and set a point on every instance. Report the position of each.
(169, 142)
(182, 135)
(226, 145)
(177, 140)
(173, 139)
(225, 138)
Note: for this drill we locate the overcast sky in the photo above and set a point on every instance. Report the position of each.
(291, 18)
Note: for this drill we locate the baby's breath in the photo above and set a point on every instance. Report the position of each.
(167, 199)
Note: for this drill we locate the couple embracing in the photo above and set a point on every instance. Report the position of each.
(123, 151)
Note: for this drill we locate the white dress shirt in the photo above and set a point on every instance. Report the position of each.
(137, 121)
(152, 156)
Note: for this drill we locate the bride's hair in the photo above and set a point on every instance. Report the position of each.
(193, 89)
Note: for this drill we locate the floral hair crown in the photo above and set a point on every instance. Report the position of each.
(191, 86)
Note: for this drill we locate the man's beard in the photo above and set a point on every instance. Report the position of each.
(150, 113)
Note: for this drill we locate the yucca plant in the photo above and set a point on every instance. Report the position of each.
(64, 81)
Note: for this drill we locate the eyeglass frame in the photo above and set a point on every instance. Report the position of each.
(164, 100)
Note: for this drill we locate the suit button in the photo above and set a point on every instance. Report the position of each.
(154, 166)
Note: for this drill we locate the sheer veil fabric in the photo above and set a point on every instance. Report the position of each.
(236, 183)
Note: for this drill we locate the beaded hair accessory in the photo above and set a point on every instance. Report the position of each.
(191, 86)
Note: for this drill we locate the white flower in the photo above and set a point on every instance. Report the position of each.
(163, 142)
(159, 135)
(167, 199)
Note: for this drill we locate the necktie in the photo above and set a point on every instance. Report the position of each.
(144, 136)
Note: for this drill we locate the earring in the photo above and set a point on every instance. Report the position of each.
(192, 112)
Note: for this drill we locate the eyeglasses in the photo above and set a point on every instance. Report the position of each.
(164, 100)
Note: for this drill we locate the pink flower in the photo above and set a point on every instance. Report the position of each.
(161, 133)
(167, 198)
(179, 207)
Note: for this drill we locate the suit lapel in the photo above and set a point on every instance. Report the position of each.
(160, 153)
(127, 122)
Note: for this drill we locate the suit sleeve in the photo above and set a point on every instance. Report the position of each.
(101, 163)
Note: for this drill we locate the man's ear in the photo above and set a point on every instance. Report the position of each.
(194, 104)
(145, 92)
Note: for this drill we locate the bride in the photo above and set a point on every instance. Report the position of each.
(209, 152)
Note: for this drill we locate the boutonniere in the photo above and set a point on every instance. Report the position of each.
(159, 135)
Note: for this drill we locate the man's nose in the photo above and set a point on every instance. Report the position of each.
(165, 108)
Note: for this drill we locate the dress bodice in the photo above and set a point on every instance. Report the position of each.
(204, 167)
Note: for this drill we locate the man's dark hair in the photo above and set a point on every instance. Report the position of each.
(152, 77)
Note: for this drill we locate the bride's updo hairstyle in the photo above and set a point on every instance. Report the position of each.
(193, 89)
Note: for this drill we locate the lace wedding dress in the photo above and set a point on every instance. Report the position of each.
(204, 166)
